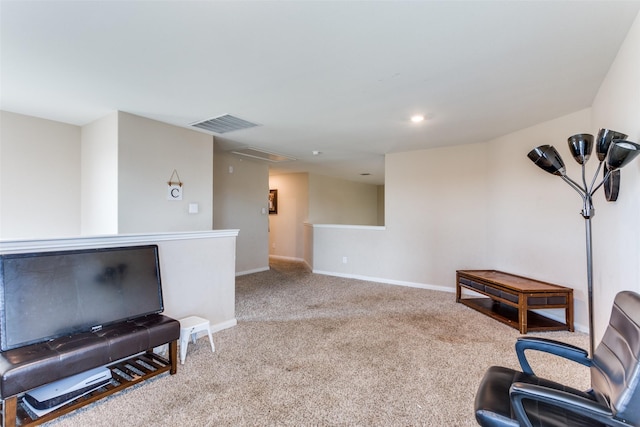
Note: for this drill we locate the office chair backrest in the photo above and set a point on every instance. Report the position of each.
(615, 373)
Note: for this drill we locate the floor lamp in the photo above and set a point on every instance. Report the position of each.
(613, 152)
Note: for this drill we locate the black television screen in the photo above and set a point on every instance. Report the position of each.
(50, 294)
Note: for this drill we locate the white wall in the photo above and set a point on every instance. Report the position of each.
(381, 213)
(198, 277)
(535, 228)
(39, 177)
(358, 251)
(436, 212)
(338, 201)
(240, 193)
(616, 229)
(61, 180)
(148, 152)
(99, 182)
(436, 222)
(307, 241)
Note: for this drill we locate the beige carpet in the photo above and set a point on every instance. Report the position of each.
(312, 350)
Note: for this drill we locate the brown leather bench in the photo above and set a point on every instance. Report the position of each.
(31, 366)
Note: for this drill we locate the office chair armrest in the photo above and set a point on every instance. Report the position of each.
(557, 348)
(570, 402)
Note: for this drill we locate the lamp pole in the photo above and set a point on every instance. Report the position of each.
(587, 226)
(587, 213)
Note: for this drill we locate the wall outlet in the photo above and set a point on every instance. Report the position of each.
(273, 245)
(344, 259)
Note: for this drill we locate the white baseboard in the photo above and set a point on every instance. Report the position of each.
(224, 325)
(255, 270)
(217, 328)
(560, 318)
(387, 281)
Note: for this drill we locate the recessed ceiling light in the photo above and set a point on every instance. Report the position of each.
(316, 152)
(417, 118)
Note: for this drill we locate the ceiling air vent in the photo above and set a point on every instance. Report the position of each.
(223, 124)
(262, 155)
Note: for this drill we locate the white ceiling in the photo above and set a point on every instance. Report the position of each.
(339, 77)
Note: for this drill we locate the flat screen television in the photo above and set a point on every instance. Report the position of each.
(51, 294)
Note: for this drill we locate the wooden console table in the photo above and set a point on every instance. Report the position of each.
(511, 299)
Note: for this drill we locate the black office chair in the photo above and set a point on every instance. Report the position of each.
(507, 397)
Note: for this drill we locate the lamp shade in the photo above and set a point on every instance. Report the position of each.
(621, 152)
(581, 146)
(546, 157)
(603, 141)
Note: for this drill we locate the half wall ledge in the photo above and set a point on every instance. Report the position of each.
(79, 242)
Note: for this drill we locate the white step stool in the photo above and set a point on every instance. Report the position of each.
(189, 327)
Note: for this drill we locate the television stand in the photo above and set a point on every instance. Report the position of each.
(124, 373)
(509, 299)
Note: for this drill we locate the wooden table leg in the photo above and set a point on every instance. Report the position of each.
(9, 406)
(173, 356)
(569, 311)
(522, 313)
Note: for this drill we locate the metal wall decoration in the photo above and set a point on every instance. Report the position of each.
(174, 190)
